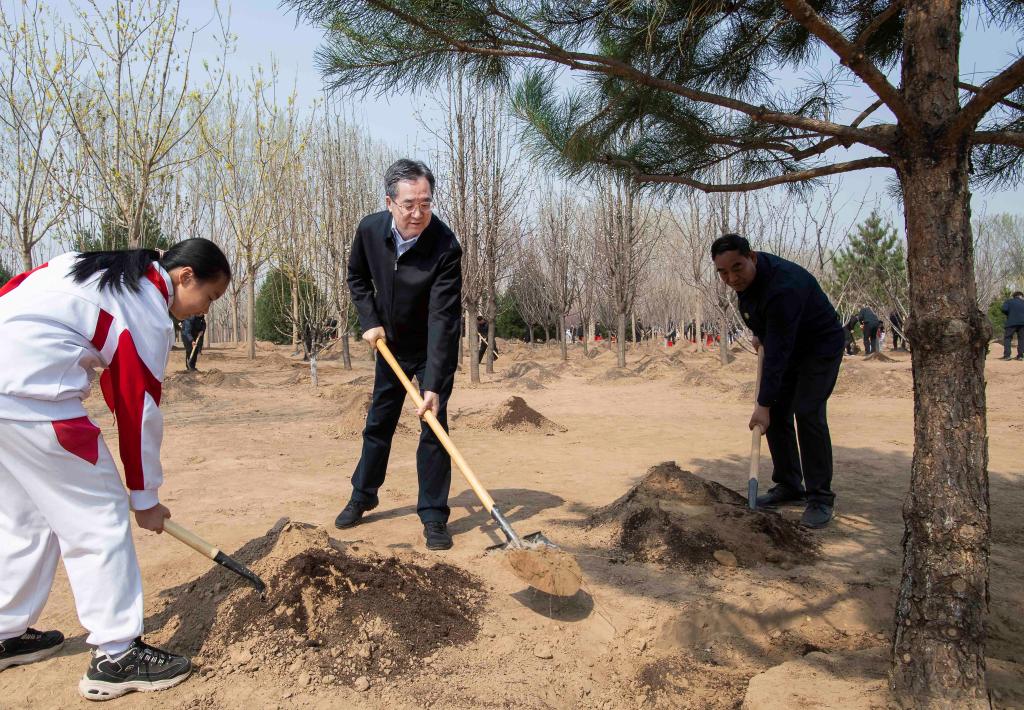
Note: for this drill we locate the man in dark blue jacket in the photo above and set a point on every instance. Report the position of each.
(793, 321)
(870, 324)
(192, 330)
(1014, 310)
(405, 277)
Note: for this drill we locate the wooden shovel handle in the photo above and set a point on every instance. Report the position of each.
(191, 539)
(756, 433)
(435, 425)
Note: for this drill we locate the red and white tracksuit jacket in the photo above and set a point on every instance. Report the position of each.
(54, 332)
(60, 492)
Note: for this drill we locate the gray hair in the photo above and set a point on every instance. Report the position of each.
(405, 169)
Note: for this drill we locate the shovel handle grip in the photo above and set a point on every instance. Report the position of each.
(191, 539)
(435, 425)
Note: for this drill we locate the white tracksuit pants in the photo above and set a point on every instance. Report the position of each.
(54, 503)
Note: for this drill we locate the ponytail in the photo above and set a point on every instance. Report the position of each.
(124, 269)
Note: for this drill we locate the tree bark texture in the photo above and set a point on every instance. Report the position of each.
(938, 649)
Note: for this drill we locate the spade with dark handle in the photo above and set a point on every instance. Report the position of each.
(207, 550)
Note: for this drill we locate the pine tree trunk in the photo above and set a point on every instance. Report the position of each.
(939, 645)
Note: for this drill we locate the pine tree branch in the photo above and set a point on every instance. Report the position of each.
(795, 176)
(521, 48)
(992, 92)
(852, 56)
(1011, 138)
(876, 24)
(1004, 101)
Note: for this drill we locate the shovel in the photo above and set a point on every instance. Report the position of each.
(535, 559)
(207, 550)
(755, 440)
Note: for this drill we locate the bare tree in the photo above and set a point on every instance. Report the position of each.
(559, 241)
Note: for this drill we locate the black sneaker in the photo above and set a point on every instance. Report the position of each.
(1019, 357)
(1006, 357)
(438, 537)
(352, 513)
(779, 495)
(140, 667)
(817, 515)
(31, 646)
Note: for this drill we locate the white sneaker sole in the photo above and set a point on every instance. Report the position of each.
(30, 657)
(99, 690)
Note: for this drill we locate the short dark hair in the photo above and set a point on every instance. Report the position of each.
(405, 169)
(1017, 293)
(730, 242)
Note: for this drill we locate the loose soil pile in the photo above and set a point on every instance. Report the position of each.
(531, 369)
(209, 378)
(514, 414)
(675, 517)
(331, 614)
(354, 404)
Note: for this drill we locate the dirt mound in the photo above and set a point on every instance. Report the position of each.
(331, 614)
(878, 356)
(178, 390)
(354, 405)
(514, 414)
(210, 378)
(276, 360)
(531, 369)
(870, 380)
(527, 383)
(612, 374)
(675, 517)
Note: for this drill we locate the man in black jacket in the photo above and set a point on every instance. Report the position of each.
(869, 323)
(793, 321)
(405, 276)
(1014, 310)
(192, 330)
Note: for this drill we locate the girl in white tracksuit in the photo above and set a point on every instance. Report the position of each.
(60, 492)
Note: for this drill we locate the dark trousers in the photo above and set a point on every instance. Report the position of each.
(870, 339)
(483, 351)
(433, 465)
(806, 388)
(1008, 332)
(895, 339)
(192, 350)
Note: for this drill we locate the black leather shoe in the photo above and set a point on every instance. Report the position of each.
(438, 537)
(817, 515)
(31, 646)
(352, 514)
(779, 495)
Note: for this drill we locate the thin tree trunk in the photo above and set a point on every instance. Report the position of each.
(621, 330)
(939, 644)
(725, 357)
(250, 308)
(632, 333)
(26, 256)
(490, 347)
(346, 350)
(565, 345)
(295, 316)
(234, 317)
(472, 350)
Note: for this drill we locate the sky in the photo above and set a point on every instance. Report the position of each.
(266, 33)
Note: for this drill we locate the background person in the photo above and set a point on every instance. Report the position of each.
(191, 329)
(1014, 310)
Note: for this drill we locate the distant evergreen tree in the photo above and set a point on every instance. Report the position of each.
(871, 270)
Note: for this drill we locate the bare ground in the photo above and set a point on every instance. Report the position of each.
(250, 443)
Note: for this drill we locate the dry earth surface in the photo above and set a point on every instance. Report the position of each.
(689, 600)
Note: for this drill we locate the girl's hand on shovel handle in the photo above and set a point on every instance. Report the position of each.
(760, 418)
(153, 518)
